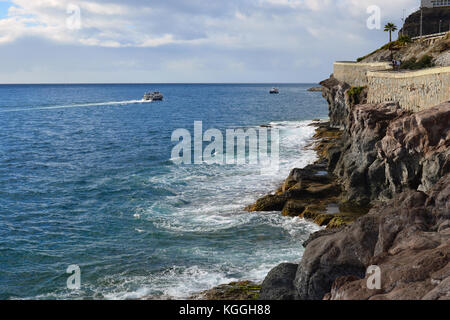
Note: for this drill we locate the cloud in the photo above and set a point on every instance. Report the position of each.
(157, 23)
(209, 40)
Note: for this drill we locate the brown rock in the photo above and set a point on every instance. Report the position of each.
(412, 255)
(242, 290)
(293, 208)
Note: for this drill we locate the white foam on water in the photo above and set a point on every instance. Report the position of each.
(208, 202)
(213, 198)
(180, 282)
(95, 104)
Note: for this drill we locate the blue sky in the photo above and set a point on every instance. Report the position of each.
(4, 6)
(185, 41)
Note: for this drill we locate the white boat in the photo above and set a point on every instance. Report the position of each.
(274, 91)
(153, 96)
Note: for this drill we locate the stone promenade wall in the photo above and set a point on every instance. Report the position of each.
(355, 74)
(414, 90)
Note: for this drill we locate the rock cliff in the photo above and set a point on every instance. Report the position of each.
(432, 18)
(399, 163)
(385, 149)
(408, 238)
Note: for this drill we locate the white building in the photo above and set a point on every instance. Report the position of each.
(435, 3)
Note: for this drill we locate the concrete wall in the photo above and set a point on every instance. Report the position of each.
(414, 90)
(355, 74)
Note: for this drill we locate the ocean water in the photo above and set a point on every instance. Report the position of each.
(86, 179)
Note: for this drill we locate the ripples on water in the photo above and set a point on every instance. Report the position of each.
(85, 178)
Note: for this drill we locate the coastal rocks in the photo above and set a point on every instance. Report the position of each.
(416, 149)
(335, 255)
(309, 193)
(408, 238)
(279, 283)
(328, 146)
(302, 187)
(242, 290)
(320, 233)
(394, 161)
(385, 154)
(293, 208)
(341, 97)
(315, 89)
(313, 192)
(386, 150)
(334, 92)
(295, 198)
(367, 125)
(268, 203)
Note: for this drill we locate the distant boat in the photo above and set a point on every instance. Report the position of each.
(274, 91)
(153, 96)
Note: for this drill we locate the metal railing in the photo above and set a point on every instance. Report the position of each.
(427, 36)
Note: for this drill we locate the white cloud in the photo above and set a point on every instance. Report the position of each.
(106, 23)
(193, 40)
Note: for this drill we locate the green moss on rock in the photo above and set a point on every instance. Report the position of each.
(242, 290)
(293, 208)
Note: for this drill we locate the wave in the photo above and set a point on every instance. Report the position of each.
(204, 211)
(215, 213)
(94, 104)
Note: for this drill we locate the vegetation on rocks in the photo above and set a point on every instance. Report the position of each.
(414, 64)
(242, 290)
(402, 42)
(355, 95)
(404, 49)
(404, 39)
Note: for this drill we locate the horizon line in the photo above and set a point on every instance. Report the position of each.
(147, 83)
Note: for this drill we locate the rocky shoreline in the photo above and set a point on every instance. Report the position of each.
(388, 172)
(314, 192)
(381, 187)
(242, 290)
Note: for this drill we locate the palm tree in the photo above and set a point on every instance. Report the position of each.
(391, 28)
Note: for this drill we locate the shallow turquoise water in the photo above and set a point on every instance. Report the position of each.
(86, 179)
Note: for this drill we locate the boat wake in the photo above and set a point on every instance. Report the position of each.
(95, 104)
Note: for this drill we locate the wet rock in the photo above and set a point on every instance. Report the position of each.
(367, 125)
(416, 149)
(315, 89)
(279, 283)
(242, 290)
(334, 92)
(299, 178)
(321, 233)
(334, 255)
(323, 219)
(268, 203)
(401, 237)
(302, 187)
(388, 150)
(293, 208)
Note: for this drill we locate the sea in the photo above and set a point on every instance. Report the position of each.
(87, 179)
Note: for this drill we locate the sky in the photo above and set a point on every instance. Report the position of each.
(186, 41)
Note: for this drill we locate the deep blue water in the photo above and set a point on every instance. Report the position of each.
(86, 179)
